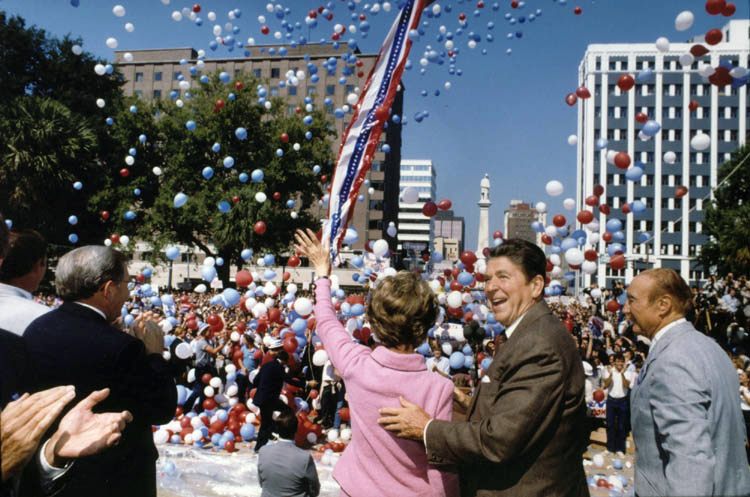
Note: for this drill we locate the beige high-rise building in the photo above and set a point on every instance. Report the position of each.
(155, 73)
(518, 218)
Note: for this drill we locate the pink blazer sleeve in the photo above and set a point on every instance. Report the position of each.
(344, 353)
(442, 480)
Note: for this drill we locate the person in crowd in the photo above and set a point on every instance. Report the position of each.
(205, 351)
(438, 363)
(77, 345)
(268, 383)
(401, 311)
(745, 406)
(526, 430)
(617, 382)
(20, 274)
(283, 468)
(687, 423)
(331, 397)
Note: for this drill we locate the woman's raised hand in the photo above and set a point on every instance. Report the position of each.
(308, 245)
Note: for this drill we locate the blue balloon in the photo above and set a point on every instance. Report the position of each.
(469, 361)
(182, 394)
(78, 185)
(216, 148)
(269, 274)
(601, 143)
(457, 360)
(357, 310)
(299, 326)
(129, 215)
(436, 257)
(231, 297)
(133, 109)
(651, 128)
(142, 138)
(208, 273)
(257, 175)
(73, 220)
(246, 254)
(208, 172)
(190, 125)
(240, 133)
(147, 272)
(485, 364)
(128, 320)
(179, 200)
(568, 243)
(224, 77)
(168, 301)
(645, 76)
(243, 177)
(537, 226)
(634, 173)
(223, 206)
(247, 432)
(316, 169)
(228, 162)
(137, 192)
(465, 278)
(614, 225)
(357, 261)
(73, 238)
(269, 259)
(638, 206)
(172, 252)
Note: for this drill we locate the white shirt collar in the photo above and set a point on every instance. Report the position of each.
(662, 331)
(510, 329)
(16, 290)
(98, 311)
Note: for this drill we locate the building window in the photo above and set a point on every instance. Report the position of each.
(598, 63)
(138, 93)
(291, 109)
(258, 73)
(176, 75)
(292, 91)
(138, 77)
(237, 72)
(311, 90)
(157, 76)
(157, 94)
(275, 72)
(274, 92)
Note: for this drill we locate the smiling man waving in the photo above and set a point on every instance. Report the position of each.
(525, 433)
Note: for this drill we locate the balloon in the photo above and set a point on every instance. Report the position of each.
(729, 9)
(670, 157)
(625, 82)
(583, 93)
(713, 37)
(429, 208)
(684, 20)
(454, 299)
(662, 44)
(572, 140)
(457, 360)
(651, 128)
(410, 195)
(320, 357)
(680, 191)
(259, 227)
(622, 160)
(380, 248)
(574, 256)
(179, 200)
(571, 99)
(569, 204)
(617, 262)
(260, 197)
(231, 297)
(243, 278)
(444, 204)
(303, 306)
(700, 142)
(634, 173)
(554, 188)
(208, 273)
(172, 252)
(540, 207)
(585, 217)
(559, 220)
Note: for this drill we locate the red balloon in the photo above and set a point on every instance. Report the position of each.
(115, 238)
(622, 160)
(607, 236)
(590, 255)
(577, 11)
(209, 404)
(265, 30)
(104, 215)
(720, 77)
(604, 209)
(140, 278)
(290, 344)
(196, 8)
(344, 414)
(497, 234)
(693, 105)
(286, 275)
(728, 10)
(592, 200)
(617, 262)
(571, 99)
(546, 239)
(583, 93)
(293, 261)
(467, 257)
(236, 199)
(698, 50)
(276, 196)
(625, 82)
(599, 397)
(213, 319)
(625, 209)
(429, 208)
(229, 446)
(585, 217)
(598, 190)
(381, 113)
(641, 117)
(456, 286)
(559, 220)
(124, 172)
(713, 36)
(274, 315)
(550, 266)
(260, 227)
(191, 324)
(444, 204)
(680, 191)
(714, 7)
(284, 138)
(243, 278)
(613, 306)
(514, 4)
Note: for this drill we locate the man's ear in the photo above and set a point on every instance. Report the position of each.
(537, 286)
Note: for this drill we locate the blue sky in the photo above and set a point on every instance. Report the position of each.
(505, 115)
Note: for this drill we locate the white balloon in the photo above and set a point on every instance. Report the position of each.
(380, 248)
(551, 230)
(333, 435)
(598, 460)
(118, 10)
(129, 27)
(157, 171)
(555, 259)
(269, 289)
(260, 197)
(572, 140)
(76, 49)
(670, 157)
(291, 288)
(320, 357)
(352, 98)
(209, 261)
(346, 434)
(176, 16)
(183, 351)
(574, 256)
(234, 336)
(684, 20)
(208, 391)
(232, 390)
(588, 267)
(611, 154)
(541, 207)
(455, 299)
(556, 272)
(662, 44)
(569, 204)
(700, 142)
(100, 103)
(107, 242)
(259, 310)
(200, 288)
(112, 43)
(100, 70)
(129, 160)
(312, 438)
(596, 293)
(687, 59)
(554, 188)
(161, 437)
(593, 237)
(410, 195)
(124, 240)
(303, 306)
(128, 57)
(705, 69)
(215, 382)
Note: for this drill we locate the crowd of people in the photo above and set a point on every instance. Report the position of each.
(508, 380)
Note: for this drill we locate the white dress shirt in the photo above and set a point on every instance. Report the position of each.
(18, 309)
(662, 331)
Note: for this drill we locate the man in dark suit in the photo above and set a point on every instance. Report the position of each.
(268, 383)
(526, 428)
(77, 345)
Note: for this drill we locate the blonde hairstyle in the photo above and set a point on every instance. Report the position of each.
(669, 282)
(402, 309)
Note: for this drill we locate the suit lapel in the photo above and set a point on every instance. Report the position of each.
(660, 346)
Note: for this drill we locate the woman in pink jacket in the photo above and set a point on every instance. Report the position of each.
(401, 310)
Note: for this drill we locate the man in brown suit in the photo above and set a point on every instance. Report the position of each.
(526, 428)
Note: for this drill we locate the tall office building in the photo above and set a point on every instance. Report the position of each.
(415, 230)
(664, 91)
(449, 234)
(155, 74)
(518, 218)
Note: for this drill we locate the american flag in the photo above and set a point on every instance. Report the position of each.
(370, 113)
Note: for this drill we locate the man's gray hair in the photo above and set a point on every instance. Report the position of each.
(81, 272)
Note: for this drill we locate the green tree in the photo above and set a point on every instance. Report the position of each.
(183, 154)
(727, 218)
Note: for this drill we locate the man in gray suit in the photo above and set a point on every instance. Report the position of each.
(285, 470)
(526, 429)
(686, 419)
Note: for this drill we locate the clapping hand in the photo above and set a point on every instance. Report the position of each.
(309, 246)
(23, 423)
(148, 331)
(84, 433)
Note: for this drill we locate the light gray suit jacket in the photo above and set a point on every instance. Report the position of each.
(687, 425)
(285, 470)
